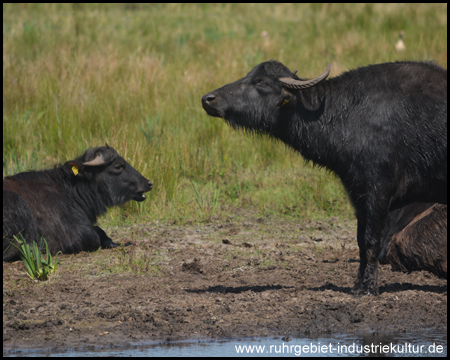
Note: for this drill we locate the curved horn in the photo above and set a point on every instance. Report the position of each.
(303, 84)
(96, 162)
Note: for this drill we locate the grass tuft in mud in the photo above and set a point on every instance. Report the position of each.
(137, 260)
(38, 267)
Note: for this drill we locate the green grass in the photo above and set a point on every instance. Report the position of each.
(137, 261)
(132, 75)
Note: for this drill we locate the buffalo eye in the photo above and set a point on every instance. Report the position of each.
(118, 167)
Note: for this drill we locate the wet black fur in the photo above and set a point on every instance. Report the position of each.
(382, 129)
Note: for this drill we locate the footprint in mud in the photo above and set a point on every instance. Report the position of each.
(192, 267)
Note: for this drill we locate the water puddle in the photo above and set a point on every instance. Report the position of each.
(408, 344)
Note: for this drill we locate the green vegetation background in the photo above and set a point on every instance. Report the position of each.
(132, 75)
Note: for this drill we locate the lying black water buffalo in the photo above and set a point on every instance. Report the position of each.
(382, 129)
(62, 204)
(415, 238)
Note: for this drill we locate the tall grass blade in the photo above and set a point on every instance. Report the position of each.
(198, 199)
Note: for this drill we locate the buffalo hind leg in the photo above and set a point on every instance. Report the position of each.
(358, 287)
(362, 258)
(370, 226)
(366, 281)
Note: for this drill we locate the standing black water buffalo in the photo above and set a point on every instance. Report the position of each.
(62, 204)
(382, 129)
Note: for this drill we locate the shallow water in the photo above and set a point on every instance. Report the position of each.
(408, 344)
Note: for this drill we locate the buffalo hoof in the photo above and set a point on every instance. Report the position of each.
(358, 290)
(109, 244)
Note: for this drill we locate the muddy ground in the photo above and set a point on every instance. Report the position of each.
(244, 275)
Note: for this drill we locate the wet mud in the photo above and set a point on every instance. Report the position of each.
(241, 276)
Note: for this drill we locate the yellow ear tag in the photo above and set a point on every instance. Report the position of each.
(285, 102)
(75, 170)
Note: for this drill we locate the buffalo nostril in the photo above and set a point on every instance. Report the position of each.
(208, 98)
(150, 185)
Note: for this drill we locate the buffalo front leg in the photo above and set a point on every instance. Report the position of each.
(105, 240)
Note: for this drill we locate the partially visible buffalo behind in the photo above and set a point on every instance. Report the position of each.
(62, 204)
(415, 238)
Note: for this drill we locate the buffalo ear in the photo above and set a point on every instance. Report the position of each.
(286, 99)
(75, 168)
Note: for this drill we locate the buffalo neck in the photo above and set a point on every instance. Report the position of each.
(316, 131)
(84, 193)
